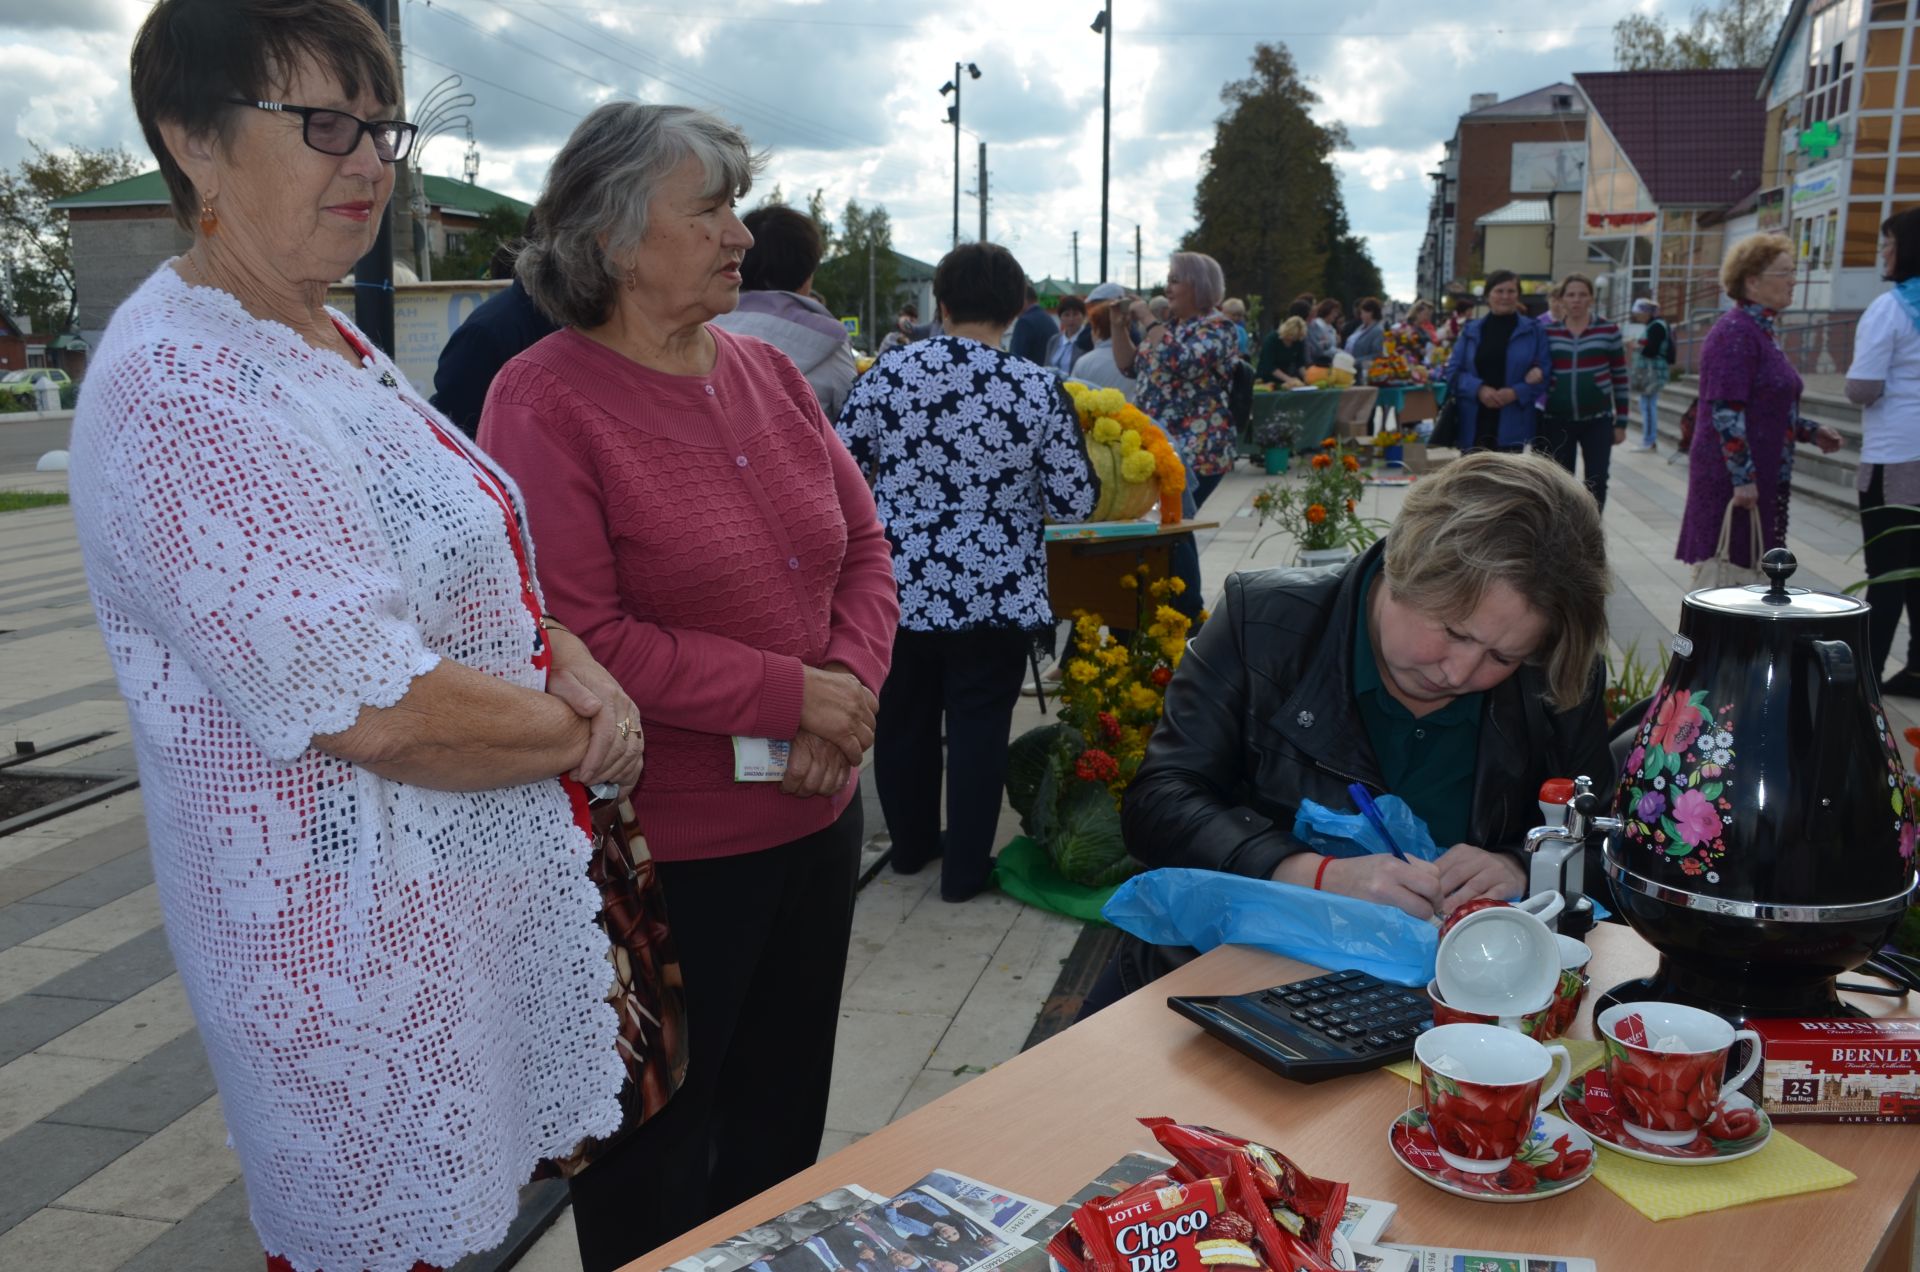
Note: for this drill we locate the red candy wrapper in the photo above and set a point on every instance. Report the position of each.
(1174, 1228)
(1301, 1206)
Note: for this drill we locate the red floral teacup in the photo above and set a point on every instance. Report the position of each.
(1666, 1083)
(1572, 990)
(1483, 1086)
(1537, 1023)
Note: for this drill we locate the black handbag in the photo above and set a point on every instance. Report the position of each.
(1446, 425)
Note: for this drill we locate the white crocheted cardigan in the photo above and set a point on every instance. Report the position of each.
(401, 990)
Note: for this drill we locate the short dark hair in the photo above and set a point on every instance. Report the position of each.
(1496, 278)
(980, 282)
(786, 250)
(1301, 308)
(1904, 229)
(1070, 305)
(192, 56)
(1368, 305)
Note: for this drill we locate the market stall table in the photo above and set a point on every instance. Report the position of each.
(1085, 573)
(1052, 1118)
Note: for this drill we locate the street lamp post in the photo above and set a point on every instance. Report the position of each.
(953, 117)
(1103, 24)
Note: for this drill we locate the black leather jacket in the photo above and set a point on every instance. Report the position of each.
(1261, 716)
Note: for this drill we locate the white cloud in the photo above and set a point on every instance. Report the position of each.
(845, 95)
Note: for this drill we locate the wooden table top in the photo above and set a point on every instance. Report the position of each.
(1052, 1118)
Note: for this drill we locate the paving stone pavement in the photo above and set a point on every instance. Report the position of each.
(112, 1149)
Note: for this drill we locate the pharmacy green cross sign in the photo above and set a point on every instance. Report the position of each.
(1816, 141)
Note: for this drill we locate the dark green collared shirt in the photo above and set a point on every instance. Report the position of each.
(1428, 761)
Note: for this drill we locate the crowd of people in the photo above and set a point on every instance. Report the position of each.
(383, 654)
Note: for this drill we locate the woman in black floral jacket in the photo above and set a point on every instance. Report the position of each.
(969, 449)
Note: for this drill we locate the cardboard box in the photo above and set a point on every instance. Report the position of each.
(1416, 405)
(1420, 458)
(1838, 1070)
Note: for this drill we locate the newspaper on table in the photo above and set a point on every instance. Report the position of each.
(1007, 1211)
(1435, 1259)
(919, 1229)
(764, 1240)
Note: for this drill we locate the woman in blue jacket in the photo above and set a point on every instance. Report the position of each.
(1499, 371)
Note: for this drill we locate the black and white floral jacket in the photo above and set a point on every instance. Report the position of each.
(968, 448)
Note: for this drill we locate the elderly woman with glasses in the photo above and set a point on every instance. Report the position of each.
(1184, 368)
(712, 541)
(361, 739)
(1751, 395)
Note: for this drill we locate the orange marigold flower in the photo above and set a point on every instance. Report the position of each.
(1352, 465)
(1352, 506)
(1330, 443)
(1322, 461)
(1316, 513)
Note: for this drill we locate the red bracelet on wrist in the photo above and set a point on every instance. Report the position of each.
(1321, 872)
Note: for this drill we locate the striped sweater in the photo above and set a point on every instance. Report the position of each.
(1589, 371)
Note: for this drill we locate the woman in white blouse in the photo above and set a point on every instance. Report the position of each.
(1884, 381)
(350, 717)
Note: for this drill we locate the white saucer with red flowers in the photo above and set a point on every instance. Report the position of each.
(1557, 1158)
(1737, 1130)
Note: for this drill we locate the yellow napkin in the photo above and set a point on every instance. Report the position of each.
(1781, 1169)
(1584, 1052)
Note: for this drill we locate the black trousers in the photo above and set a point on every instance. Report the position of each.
(972, 680)
(763, 946)
(1895, 552)
(1591, 439)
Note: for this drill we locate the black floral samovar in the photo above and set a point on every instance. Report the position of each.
(1767, 822)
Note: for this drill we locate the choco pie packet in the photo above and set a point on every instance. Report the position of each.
(1163, 1229)
(1303, 1206)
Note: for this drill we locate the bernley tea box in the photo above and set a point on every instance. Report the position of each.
(1839, 1070)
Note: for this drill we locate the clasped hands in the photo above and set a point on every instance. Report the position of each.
(1424, 889)
(836, 729)
(1493, 399)
(616, 750)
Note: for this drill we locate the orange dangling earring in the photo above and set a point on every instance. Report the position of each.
(209, 219)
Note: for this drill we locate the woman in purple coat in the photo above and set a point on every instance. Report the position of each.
(1751, 395)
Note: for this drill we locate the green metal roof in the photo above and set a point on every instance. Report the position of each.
(149, 189)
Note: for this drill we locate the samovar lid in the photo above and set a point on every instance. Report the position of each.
(1774, 599)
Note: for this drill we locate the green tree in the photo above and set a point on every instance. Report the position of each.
(1351, 271)
(1268, 205)
(1730, 34)
(842, 284)
(34, 237)
(499, 226)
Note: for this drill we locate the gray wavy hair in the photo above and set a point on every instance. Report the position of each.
(1203, 274)
(592, 212)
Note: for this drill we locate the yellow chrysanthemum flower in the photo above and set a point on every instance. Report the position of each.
(1082, 670)
(1129, 582)
(1129, 441)
(1109, 401)
(1138, 466)
(1178, 585)
(1106, 429)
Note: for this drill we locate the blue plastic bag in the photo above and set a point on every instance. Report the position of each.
(1205, 908)
(1336, 834)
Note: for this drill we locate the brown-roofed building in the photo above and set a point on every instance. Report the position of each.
(1669, 153)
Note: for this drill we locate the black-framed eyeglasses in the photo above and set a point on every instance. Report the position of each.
(334, 132)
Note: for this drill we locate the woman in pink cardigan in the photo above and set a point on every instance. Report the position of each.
(706, 534)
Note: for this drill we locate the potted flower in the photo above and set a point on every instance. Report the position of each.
(1275, 439)
(1065, 780)
(1320, 509)
(1391, 445)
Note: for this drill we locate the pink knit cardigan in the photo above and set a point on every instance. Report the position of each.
(707, 537)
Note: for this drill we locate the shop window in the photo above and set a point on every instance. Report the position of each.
(1889, 11)
(1906, 175)
(1873, 134)
(1877, 93)
(1884, 46)
(1869, 176)
(1862, 243)
(1910, 131)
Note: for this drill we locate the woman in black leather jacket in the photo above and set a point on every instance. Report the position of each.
(1455, 664)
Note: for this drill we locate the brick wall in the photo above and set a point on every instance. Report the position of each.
(1486, 178)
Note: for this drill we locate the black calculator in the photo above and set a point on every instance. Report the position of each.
(1340, 1023)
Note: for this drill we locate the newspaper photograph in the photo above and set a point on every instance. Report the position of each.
(1007, 1211)
(922, 1229)
(764, 1240)
(1427, 1259)
(1373, 1258)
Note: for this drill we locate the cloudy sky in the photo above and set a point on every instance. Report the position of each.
(844, 94)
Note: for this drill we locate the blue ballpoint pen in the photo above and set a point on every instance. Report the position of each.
(1371, 811)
